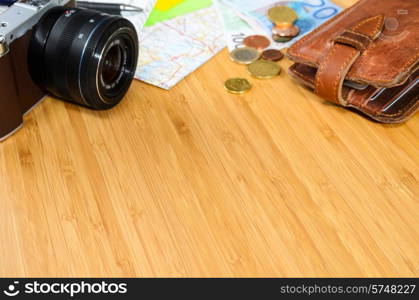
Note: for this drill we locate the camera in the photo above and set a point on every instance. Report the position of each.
(52, 47)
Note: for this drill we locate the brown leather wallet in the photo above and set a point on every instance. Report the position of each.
(367, 57)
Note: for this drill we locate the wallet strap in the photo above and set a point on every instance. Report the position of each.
(346, 49)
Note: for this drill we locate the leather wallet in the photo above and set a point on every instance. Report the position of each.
(367, 58)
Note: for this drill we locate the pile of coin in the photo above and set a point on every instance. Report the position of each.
(283, 18)
(260, 60)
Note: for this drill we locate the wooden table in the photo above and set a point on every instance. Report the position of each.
(198, 182)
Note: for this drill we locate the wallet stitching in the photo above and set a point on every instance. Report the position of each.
(361, 34)
(341, 15)
(322, 67)
(339, 76)
(404, 69)
(362, 46)
(403, 111)
(377, 28)
(357, 35)
(400, 113)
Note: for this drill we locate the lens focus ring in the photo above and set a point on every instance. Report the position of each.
(73, 57)
(59, 61)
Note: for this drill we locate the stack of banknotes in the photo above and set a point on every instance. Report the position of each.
(243, 18)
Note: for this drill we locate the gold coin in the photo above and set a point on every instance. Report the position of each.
(258, 42)
(264, 69)
(286, 31)
(237, 85)
(282, 14)
(245, 55)
(281, 39)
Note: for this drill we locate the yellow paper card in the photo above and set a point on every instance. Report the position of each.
(164, 5)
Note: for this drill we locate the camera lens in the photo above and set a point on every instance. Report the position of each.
(112, 65)
(84, 56)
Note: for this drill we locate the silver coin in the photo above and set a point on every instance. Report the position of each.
(245, 55)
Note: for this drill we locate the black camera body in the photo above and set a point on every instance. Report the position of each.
(52, 47)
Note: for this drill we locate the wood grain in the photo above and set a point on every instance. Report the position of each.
(198, 182)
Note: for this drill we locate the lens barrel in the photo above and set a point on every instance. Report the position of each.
(84, 56)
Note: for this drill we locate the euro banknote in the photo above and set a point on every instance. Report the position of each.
(242, 18)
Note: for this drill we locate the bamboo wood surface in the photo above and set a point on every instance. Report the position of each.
(198, 182)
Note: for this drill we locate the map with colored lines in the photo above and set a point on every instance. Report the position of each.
(171, 50)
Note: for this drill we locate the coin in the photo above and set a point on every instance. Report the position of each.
(282, 14)
(264, 69)
(272, 55)
(245, 55)
(286, 31)
(258, 42)
(281, 39)
(237, 85)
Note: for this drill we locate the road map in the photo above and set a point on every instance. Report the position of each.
(171, 50)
